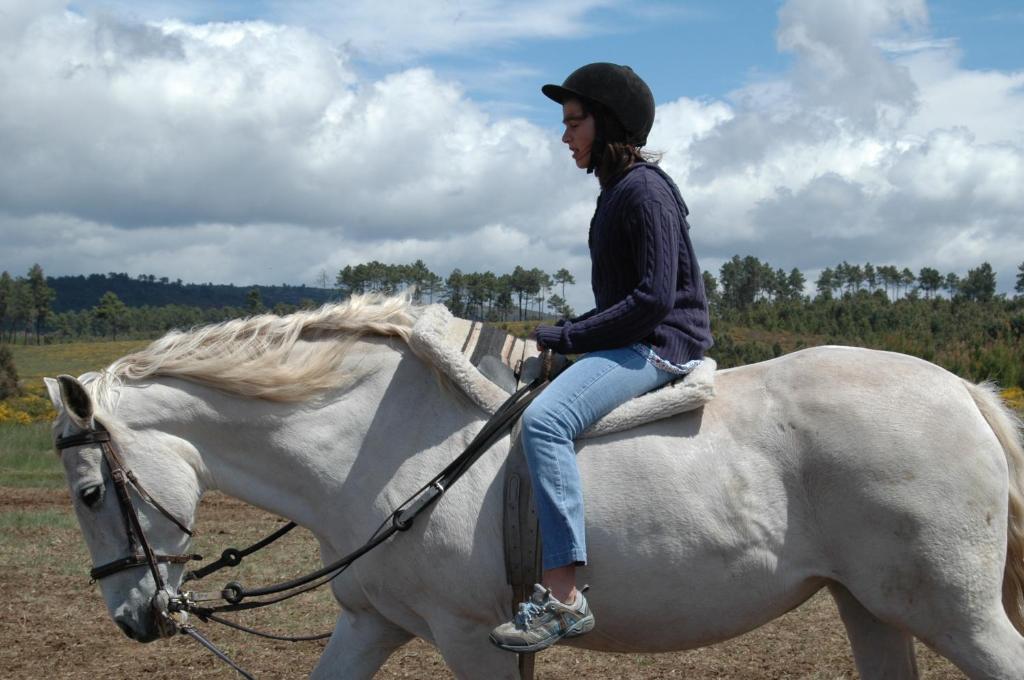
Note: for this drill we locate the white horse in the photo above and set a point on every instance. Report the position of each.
(890, 481)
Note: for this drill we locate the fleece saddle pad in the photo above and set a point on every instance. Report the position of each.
(458, 347)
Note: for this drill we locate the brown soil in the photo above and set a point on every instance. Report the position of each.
(54, 624)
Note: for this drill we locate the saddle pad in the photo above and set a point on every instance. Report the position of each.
(450, 343)
(456, 346)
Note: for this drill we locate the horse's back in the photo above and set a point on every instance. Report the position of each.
(850, 428)
(816, 466)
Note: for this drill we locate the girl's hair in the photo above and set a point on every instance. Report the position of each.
(617, 156)
(612, 155)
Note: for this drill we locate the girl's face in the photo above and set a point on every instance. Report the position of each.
(579, 131)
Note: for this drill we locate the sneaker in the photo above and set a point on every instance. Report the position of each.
(542, 621)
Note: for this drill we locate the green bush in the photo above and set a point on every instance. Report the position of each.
(8, 375)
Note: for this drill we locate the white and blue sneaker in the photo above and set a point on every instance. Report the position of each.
(542, 621)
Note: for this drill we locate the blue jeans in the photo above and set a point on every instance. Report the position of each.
(578, 397)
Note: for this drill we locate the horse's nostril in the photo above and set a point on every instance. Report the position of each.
(125, 628)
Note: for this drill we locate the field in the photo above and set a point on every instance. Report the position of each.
(54, 623)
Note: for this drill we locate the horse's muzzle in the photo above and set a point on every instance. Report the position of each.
(160, 614)
(155, 623)
(140, 631)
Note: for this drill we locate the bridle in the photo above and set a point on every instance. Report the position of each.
(141, 553)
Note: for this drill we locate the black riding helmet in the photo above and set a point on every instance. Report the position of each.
(616, 89)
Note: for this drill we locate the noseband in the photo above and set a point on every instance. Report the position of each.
(400, 520)
(142, 555)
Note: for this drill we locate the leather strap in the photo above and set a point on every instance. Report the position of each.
(522, 536)
(142, 555)
(82, 438)
(136, 560)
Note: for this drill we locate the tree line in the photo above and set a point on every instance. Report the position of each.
(25, 304)
(77, 292)
(744, 281)
(963, 325)
(757, 311)
(521, 294)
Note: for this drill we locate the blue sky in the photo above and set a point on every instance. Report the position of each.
(273, 141)
(988, 31)
(700, 48)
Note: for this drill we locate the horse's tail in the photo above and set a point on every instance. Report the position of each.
(1006, 426)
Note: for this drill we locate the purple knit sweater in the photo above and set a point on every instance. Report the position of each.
(647, 284)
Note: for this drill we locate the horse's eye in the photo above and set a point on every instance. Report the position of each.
(91, 495)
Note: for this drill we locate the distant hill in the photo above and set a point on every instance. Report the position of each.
(75, 293)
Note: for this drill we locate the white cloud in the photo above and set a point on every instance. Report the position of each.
(988, 103)
(857, 153)
(238, 123)
(256, 152)
(251, 152)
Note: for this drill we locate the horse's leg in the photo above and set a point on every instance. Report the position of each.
(362, 641)
(468, 651)
(880, 650)
(949, 599)
(989, 647)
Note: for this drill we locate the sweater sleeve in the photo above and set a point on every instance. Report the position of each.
(582, 317)
(656, 258)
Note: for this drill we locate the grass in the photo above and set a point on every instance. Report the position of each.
(36, 361)
(26, 448)
(37, 519)
(26, 457)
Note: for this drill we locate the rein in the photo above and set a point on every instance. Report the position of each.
(235, 593)
(400, 520)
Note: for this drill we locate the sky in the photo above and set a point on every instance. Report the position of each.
(269, 141)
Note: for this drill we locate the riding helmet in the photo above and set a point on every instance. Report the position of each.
(618, 89)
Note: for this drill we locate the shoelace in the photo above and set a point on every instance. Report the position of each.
(527, 610)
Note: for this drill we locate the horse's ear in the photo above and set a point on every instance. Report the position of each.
(76, 400)
(53, 389)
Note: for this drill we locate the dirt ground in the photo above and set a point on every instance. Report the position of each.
(53, 623)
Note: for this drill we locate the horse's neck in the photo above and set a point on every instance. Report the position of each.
(347, 459)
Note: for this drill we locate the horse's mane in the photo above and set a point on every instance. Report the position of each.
(263, 356)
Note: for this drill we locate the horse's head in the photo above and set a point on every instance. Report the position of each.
(138, 534)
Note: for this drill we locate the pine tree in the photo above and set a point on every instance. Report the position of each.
(711, 289)
(795, 283)
(952, 284)
(254, 301)
(112, 311)
(455, 285)
(42, 297)
(520, 285)
(564, 276)
(930, 280)
(6, 290)
(980, 283)
(22, 309)
(825, 283)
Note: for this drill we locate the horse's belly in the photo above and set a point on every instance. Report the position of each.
(669, 592)
(657, 610)
(687, 550)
